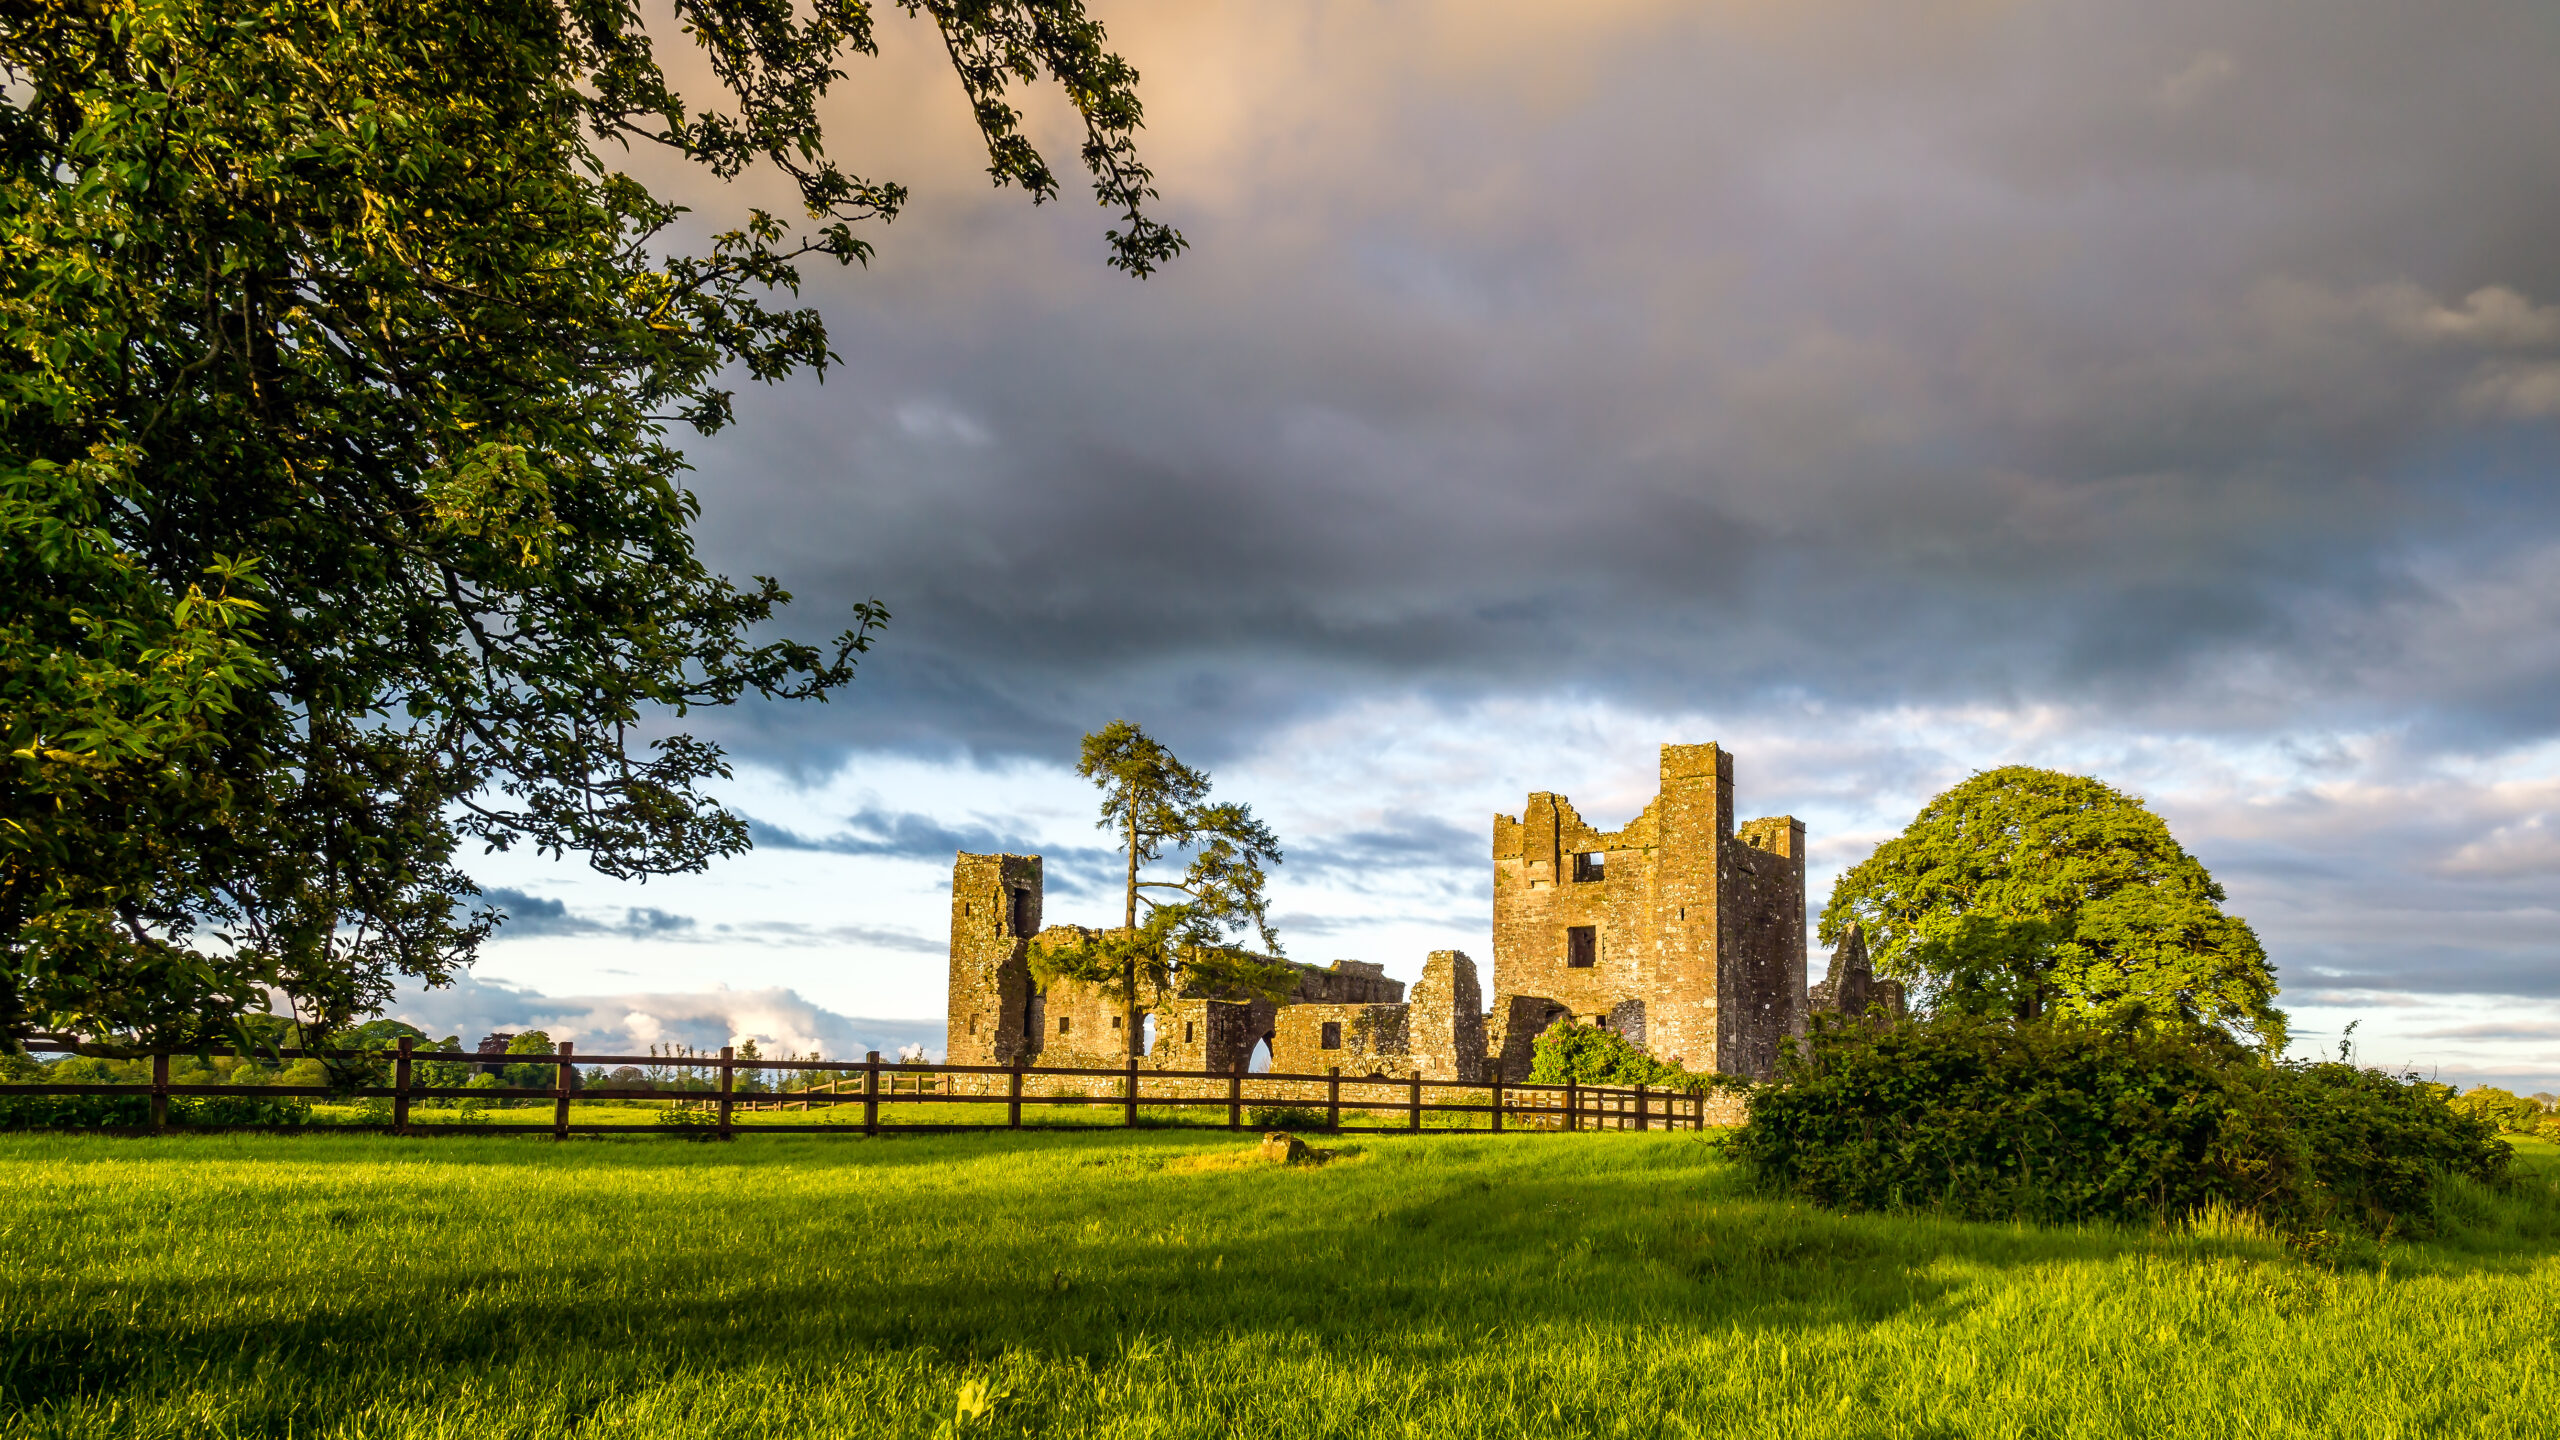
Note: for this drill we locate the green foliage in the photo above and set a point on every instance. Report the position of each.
(1156, 803)
(75, 1112)
(2513, 1114)
(2022, 892)
(1591, 1055)
(339, 469)
(96, 1112)
(532, 1077)
(2062, 1121)
(1297, 1118)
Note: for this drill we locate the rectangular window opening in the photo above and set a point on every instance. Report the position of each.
(1186, 1032)
(1064, 1021)
(1115, 1022)
(1332, 1038)
(1582, 946)
(1592, 868)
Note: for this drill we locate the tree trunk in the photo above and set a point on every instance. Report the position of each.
(1129, 979)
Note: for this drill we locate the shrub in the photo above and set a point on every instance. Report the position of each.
(239, 1110)
(1591, 1055)
(1283, 1117)
(2059, 1121)
(73, 1112)
(107, 1112)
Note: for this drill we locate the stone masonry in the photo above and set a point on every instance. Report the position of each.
(1684, 931)
(1851, 986)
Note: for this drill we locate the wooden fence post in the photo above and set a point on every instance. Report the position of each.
(1013, 1095)
(1497, 1099)
(1639, 1107)
(1235, 1097)
(1333, 1097)
(1413, 1116)
(400, 1087)
(1572, 1105)
(159, 1092)
(728, 1083)
(564, 1077)
(1129, 1093)
(871, 1093)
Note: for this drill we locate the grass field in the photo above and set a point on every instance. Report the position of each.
(1142, 1283)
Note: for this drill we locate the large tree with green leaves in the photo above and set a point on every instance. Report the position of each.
(1184, 939)
(2022, 892)
(339, 469)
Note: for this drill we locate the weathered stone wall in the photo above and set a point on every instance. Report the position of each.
(1081, 1025)
(993, 1015)
(1850, 987)
(1367, 1040)
(1691, 931)
(1447, 1020)
(1697, 924)
(1760, 981)
(1511, 1033)
(1346, 982)
(1545, 886)
(1208, 1034)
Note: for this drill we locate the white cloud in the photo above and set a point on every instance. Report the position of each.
(778, 1020)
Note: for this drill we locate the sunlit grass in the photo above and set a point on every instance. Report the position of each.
(1058, 1283)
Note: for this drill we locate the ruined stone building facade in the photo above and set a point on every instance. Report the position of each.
(1683, 930)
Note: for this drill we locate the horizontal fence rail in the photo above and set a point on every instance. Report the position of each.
(1505, 1105)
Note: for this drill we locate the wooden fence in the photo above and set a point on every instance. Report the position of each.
(1505, 1105)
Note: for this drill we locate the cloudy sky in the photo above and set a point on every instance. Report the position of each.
(2164, 391)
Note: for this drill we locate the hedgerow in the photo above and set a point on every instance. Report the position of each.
(2055, 1121)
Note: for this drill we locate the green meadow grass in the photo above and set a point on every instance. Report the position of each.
(1139, 1283)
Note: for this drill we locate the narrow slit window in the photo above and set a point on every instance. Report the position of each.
(1332, 1038)
(1582, 946)
(1186, 1032)
(1592, 868)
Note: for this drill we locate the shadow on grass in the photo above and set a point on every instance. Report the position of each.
(1065, 1244)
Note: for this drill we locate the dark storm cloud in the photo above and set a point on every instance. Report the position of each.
(1404, 844)
(531, 916)
(2200, 360)
(2179, 373)
(904, 835)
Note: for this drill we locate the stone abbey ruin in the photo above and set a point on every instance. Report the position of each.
(1684, 931)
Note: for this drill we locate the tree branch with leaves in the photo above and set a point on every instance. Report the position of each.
(339, 468)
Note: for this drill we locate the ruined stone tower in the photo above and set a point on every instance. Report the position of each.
(995, 1011)
(1684, 931)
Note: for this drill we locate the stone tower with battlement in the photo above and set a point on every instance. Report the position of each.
(1684, 930)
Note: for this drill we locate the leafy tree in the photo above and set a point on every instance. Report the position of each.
(342, 506)
(2022, 892)
(1158, 804)
(532, 1077)
(2513, 1114)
